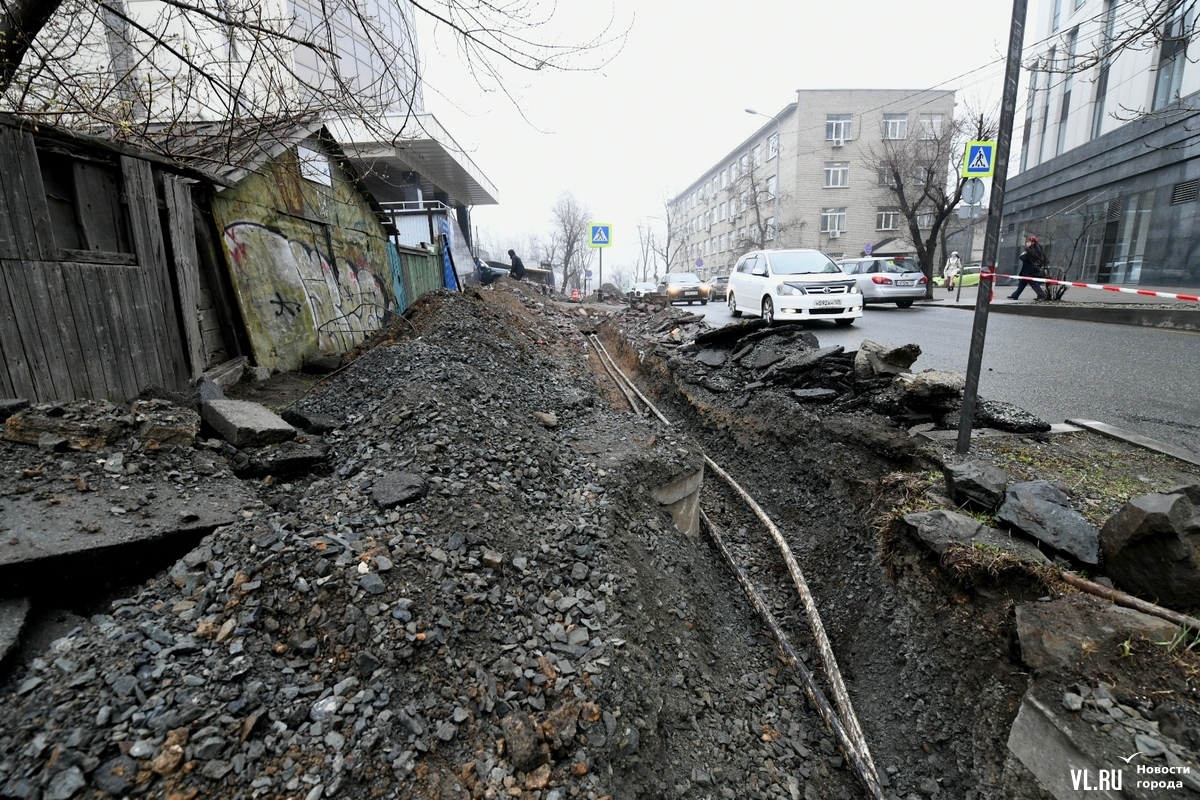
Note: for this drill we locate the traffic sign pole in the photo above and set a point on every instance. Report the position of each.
(991, 241)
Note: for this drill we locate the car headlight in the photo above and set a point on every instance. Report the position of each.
(785, 289)
(854, 288)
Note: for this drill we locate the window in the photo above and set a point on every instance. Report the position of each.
(1172, 55)
(87, 208)
(721, 213)
(742, 202)
(837, 174)
(925, 220)
(1054, 20)
(838, 128)
(758, 159)
(724, 239)
(745, 161)
(1072, 42)
(886, 177)
(895, 126)
(931, 126)
(833, 219)
(772, 145)
(733, 172)
(1030, 106)
(1110, 21)
(724, 178)
(887, 219)
(772, 185)
(1046, 108)
(770, 229)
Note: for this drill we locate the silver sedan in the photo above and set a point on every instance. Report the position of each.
(886, 279)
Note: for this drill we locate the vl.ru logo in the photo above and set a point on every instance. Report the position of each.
(1082, 780)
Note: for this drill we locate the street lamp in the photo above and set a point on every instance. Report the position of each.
(778, 171)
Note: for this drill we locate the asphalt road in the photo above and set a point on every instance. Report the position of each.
(1145, 380)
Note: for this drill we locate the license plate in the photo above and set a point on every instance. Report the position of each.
(691, 291)
(905, 283)
(828, 303)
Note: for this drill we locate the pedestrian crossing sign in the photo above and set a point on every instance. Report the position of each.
(600, 234)
(979, 160)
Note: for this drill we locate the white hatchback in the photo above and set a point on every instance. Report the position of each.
(793, 286)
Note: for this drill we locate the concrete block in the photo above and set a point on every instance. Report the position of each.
(245, 424)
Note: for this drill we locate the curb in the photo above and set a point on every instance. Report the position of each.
(1113, 432)
(1124, 314)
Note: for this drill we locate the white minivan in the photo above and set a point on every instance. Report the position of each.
(793, 286)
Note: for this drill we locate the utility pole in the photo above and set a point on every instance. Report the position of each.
(991, 241)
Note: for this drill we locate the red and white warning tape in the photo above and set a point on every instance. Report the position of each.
(1190, 298)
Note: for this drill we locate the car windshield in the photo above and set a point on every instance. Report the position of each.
(808, 263)
(681, 277)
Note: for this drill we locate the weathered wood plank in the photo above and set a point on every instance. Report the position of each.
(91, 327)
(62, 322)
(152, 257)
(17, 371)
(26, 195)
(9, 247)
(129, 375)
(187, 270)
(91, 308)
(29, 326)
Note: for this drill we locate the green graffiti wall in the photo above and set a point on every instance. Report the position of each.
(309, 260)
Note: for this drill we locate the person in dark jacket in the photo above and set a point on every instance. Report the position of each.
(518, 266)
(1033, 258)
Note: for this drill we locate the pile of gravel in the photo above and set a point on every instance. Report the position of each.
(476, 598)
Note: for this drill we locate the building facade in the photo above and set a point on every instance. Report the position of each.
(1108, 168)
(808, 178)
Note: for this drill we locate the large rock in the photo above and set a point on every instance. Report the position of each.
(245, 424)
(873, 360)
(1062, 632)
(802, 361)
(398, 488)
(1148, 547)
(976, 483)
(932, 391)
(1040, 509)
(1007, 417)
(940, 530)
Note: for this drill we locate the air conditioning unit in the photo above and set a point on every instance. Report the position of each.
(838, 142)
(835, 234)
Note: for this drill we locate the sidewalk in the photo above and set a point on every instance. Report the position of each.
(1089, 305)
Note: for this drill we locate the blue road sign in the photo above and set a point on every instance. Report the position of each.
(600, 234)
(979, 160)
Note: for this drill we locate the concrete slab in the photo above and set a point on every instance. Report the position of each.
(992, 433)
(245, 424)
(72, 523)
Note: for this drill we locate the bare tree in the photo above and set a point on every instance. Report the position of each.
(923, 175)
(670, 244)
(141, 71)
(756, 203)
(646, 253)
(569, 220)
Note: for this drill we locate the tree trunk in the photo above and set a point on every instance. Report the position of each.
(20, 23)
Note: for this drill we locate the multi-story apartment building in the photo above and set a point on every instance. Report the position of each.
(1108, 167)
(810, 177)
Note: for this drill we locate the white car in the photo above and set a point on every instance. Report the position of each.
(642, 289)
(793, 286)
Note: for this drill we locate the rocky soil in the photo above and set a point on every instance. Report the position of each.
(466, 590)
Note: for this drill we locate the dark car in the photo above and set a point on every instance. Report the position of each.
(717, 287)
(683, 287)
(490, 271)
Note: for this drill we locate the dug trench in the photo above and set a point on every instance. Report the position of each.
(478, 595)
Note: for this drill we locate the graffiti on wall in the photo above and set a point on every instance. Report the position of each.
(297, 297)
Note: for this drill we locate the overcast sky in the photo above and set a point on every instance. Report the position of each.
(672, 101)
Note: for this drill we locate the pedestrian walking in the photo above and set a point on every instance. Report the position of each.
(518, 266)
(951, 271)
(1033, 258)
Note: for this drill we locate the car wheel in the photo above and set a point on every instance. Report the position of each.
(904, 303)
(768, 311)
(734, 311)
(845, 323)
(703, 302)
